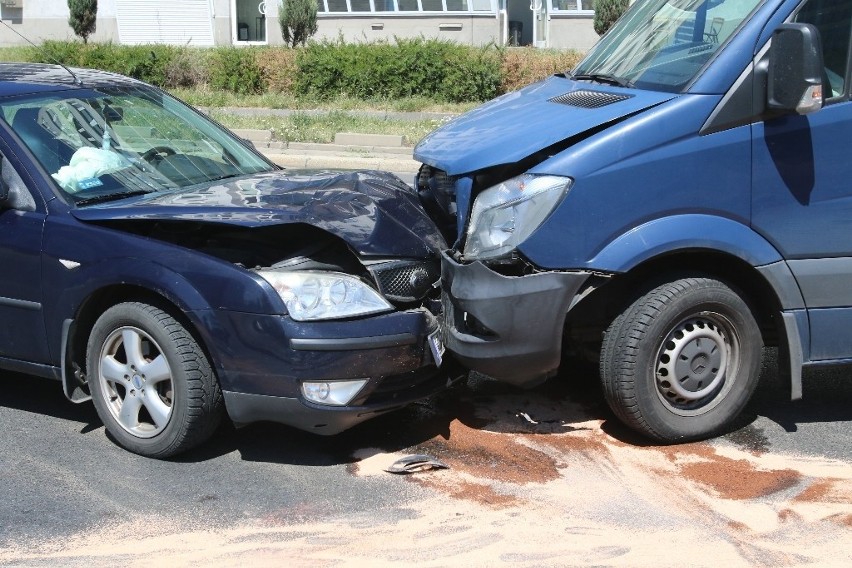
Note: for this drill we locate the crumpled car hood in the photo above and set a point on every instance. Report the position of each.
(518, 124)
(374, 212)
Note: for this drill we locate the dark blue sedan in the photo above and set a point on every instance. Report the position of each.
(161, 267)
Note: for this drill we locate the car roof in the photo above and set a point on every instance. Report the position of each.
(24, 78)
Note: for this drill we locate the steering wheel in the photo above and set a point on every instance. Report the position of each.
(157, 153)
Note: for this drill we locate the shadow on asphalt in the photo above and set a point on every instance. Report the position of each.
(828, 398)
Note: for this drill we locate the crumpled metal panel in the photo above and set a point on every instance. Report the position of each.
(518, 124)
(374, 212)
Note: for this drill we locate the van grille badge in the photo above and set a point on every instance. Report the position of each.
(589, 99)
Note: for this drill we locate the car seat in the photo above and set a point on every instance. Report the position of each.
(51, 152)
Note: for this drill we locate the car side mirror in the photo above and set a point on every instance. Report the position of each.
(796, 69)
(4, 191)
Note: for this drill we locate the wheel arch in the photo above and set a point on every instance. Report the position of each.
(757, 291)
(76, 331)
(767, 290)
(676, 233)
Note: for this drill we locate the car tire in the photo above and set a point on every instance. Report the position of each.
(682, 361)
(151, 383)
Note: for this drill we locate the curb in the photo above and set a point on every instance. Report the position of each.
(317, 161)
(351, 151)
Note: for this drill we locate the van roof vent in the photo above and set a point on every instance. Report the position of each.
(589, 99)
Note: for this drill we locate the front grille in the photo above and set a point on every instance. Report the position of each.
(406, 281)
(437, 192)
(403, 386)
(589, 99)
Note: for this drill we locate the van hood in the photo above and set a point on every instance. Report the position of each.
(518, 124)
(375, 213)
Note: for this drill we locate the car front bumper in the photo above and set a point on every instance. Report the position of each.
(263, 360)
(506, 327)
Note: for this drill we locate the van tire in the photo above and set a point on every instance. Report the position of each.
(682, 361)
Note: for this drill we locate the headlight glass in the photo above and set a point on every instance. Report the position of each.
(505, 215)
(325, 295)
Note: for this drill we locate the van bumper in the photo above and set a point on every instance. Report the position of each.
(507, 327)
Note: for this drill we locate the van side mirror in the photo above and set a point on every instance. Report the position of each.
(796, 69)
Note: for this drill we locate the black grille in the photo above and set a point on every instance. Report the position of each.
(589, 99)
(391, 386)
(406, 281)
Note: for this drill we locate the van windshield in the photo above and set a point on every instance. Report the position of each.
(663, 44)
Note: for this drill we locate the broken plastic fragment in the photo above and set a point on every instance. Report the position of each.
(527, 418)
(415, 463)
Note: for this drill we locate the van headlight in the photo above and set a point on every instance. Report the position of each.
(506, 214)
(325, 295)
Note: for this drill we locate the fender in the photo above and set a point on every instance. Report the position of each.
(144, 274)
(683, 232)
(61, 311)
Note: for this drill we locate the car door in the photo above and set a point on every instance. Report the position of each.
(802, 188)
(22, 219)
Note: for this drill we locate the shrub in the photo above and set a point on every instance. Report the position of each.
(277, 68)
(234, 69)
(144, 62)
(83, 17)
(298, 19)
(64, 52)
(426, 67)
(522, 66)
(473, 75)
(606, 13)
(187, 68)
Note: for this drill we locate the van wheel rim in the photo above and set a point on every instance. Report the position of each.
(696, 364)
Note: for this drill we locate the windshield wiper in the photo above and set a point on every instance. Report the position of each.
(112, 197)
(603, 78)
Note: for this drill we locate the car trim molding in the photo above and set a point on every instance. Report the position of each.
(24, 304)
(345, 344)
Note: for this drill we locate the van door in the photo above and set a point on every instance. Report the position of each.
(802, 188)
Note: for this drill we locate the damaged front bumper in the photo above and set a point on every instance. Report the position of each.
(395, 353)
(507, 327)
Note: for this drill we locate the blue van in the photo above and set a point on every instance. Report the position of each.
(678, 201)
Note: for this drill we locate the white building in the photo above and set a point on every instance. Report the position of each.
(542, 23)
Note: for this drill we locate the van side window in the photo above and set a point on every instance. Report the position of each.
(833, 19)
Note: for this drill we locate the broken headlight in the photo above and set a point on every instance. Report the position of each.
(325, 295)
(506, 214)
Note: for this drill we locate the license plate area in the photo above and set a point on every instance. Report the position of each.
(437, 347)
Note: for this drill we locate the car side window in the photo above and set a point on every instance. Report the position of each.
(20, 197)
(833, 19)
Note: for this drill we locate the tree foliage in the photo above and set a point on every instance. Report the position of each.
(83, 18)
(607, 12)
(298, 19)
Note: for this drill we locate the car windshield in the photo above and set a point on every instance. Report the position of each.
(663, 44)
(109, 143)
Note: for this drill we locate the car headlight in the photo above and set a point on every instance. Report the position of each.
(325, 295)
(506, 214)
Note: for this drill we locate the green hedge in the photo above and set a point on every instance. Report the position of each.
(150, 63)
(425, 67)
(441, 70)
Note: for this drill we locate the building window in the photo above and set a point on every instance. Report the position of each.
(455, 6)
(573, 6)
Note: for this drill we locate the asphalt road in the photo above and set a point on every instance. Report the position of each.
(63, 477)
